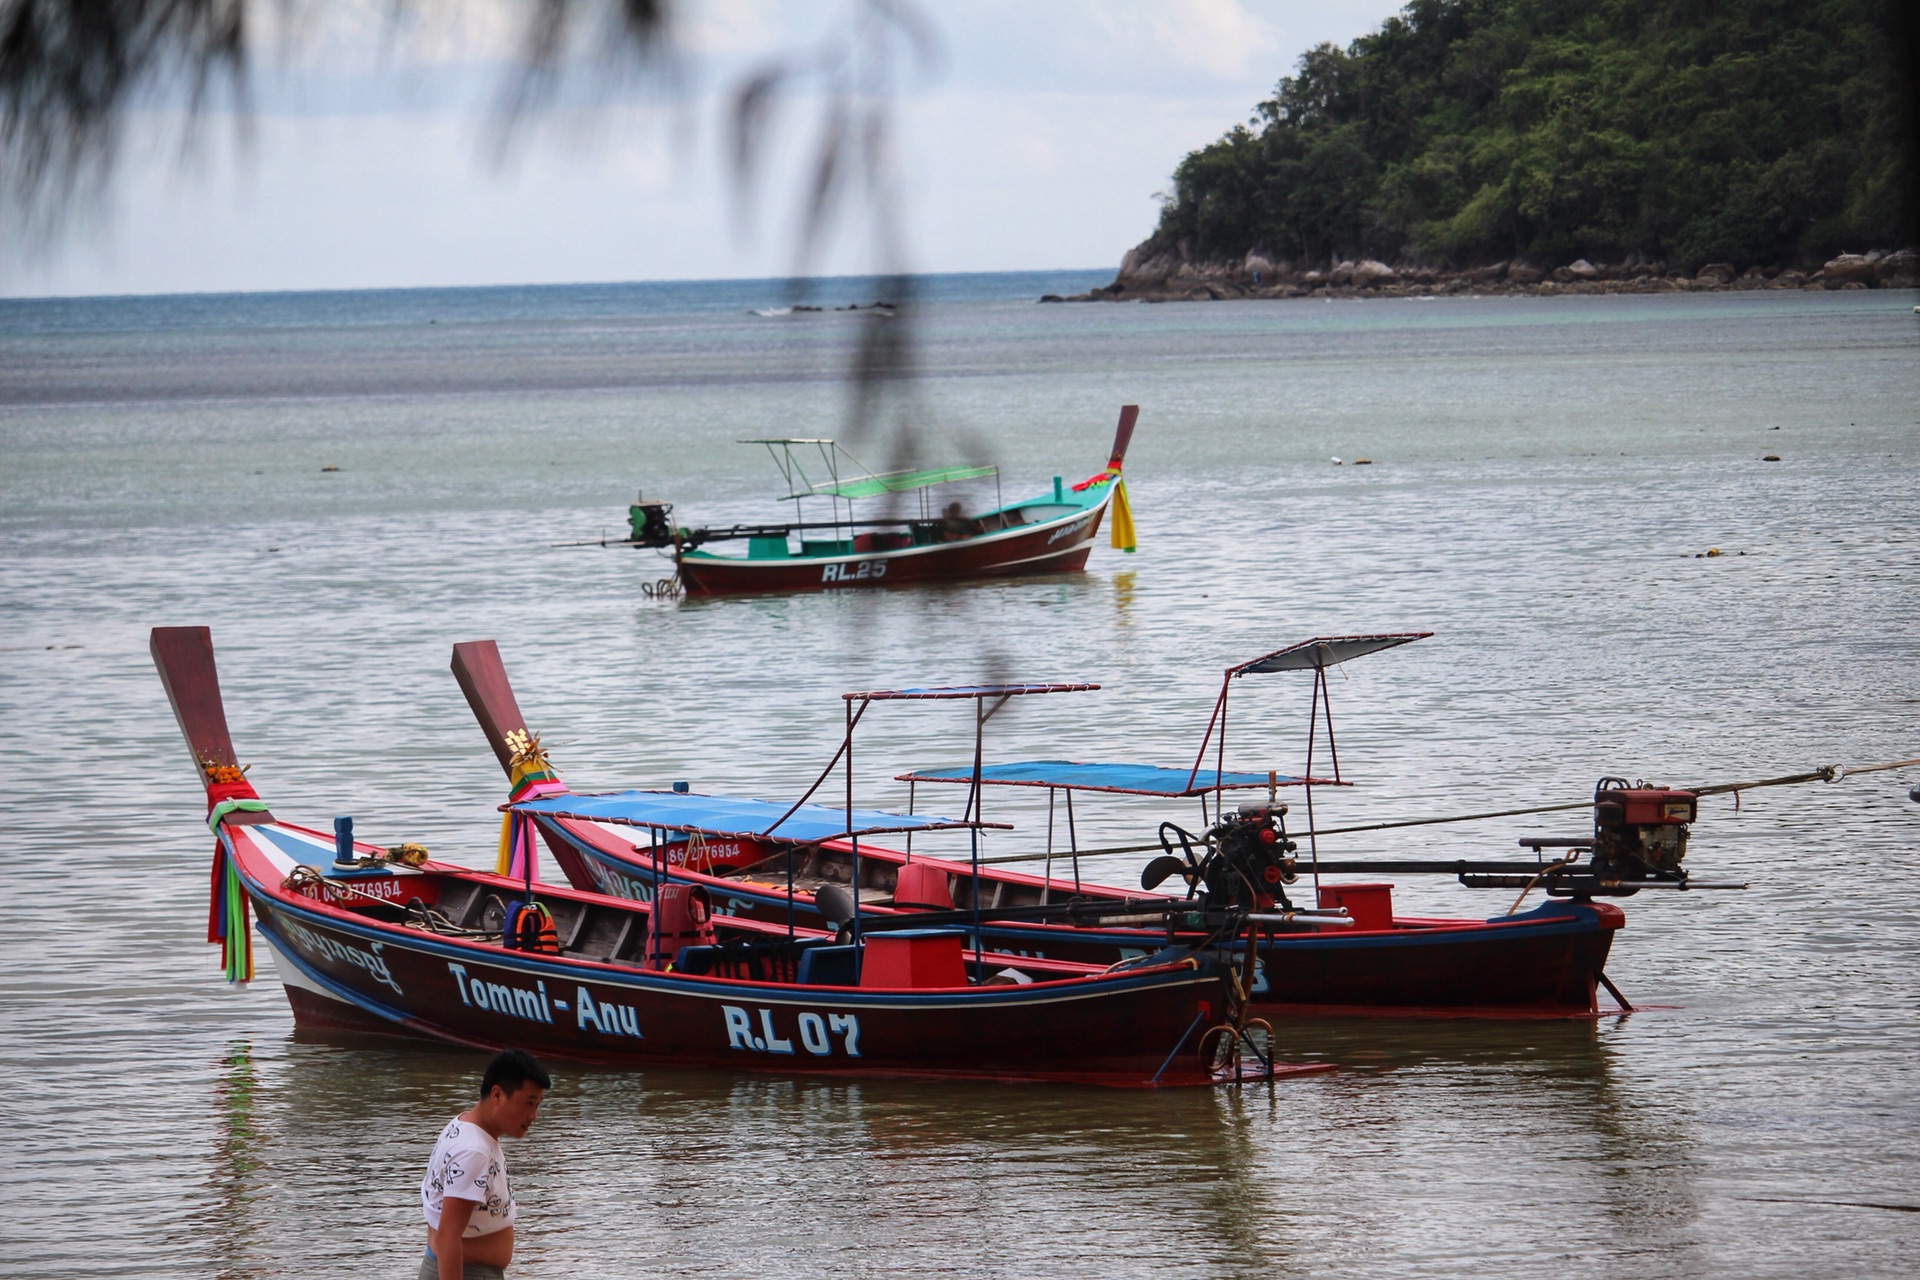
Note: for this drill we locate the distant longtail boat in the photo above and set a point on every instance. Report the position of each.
(1052, 532)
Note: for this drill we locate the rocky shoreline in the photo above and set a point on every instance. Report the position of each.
(1147, 275)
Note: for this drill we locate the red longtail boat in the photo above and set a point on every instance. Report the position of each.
(368, 938)
(1349, 953)
(1051, 532)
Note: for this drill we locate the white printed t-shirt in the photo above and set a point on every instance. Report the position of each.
(467, 1164)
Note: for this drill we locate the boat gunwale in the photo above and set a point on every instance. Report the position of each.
(709, 558)
(1042, 991)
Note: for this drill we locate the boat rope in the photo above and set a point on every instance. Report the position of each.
(1826, 773)
(308, 882)
(1829, 773)
(1545, 871)
(825, 773)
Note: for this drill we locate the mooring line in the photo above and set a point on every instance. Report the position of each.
(1827, 773)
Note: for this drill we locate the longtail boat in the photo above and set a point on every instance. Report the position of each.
(384, 939)
(1051, 532)
(1347, 953)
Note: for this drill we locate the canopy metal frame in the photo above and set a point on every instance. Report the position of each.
(800, 485)
(998, 695)
(1315, 655)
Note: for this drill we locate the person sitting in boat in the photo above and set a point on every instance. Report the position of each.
(956, 524)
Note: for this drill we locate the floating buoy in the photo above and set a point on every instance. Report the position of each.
(1772, 457)
(329, 468)
(1336, 462)
(1363, 462)
(1914, 795)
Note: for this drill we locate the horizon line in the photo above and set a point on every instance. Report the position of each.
(782, 281)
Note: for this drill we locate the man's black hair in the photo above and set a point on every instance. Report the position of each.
(510, 1069)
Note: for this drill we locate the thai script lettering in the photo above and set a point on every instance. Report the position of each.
(325, 947)
(613, 884)
(1067, 530)
(812, 1030)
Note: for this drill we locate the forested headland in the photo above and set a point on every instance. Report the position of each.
(1624, 139)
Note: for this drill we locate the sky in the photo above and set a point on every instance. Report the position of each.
(1034, 135)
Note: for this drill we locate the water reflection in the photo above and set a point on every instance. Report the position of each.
(1123, 597)
(237, 1159)
(1432, 1130)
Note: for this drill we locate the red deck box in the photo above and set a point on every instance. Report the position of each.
(1370, 905)
(915, 958)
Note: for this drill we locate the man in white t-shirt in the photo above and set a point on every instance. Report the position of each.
(465, 1196)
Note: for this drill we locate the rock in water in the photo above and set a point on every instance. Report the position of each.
(1901, 269)
(1371, 272)
(1852, 266)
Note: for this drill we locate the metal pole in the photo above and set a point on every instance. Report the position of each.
(851, 835)
(1326, 701)
(1200, 757)
(979, 733)
(1313, 722)
(1073, 842)
(1047, 888)
(1220, 755)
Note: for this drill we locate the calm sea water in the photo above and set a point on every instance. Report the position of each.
(1545, 476)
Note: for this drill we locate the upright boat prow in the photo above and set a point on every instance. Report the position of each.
(184, 658)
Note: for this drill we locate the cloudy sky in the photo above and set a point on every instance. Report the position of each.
(372, 156)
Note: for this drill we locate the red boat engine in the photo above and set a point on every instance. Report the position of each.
(1640, 830)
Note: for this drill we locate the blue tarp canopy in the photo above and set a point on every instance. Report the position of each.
(731, 815)
(1130, 779)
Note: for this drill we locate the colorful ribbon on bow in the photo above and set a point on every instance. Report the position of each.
(227, 922)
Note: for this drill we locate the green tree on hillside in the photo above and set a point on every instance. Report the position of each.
(1465, 131)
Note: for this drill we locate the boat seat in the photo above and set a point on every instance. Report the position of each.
(829, 966)
(773, 960)
(921, 887)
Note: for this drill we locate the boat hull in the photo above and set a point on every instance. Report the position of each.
(1053, 546)
(1545, 963)
(347, 973)
(1113, 1032)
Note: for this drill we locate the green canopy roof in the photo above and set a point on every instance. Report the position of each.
(899, 481)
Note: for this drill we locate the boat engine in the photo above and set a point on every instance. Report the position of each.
(1248, 863)
(1640, 830)
(648, 525)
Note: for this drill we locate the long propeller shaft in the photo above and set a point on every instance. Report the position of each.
(1826, 773)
